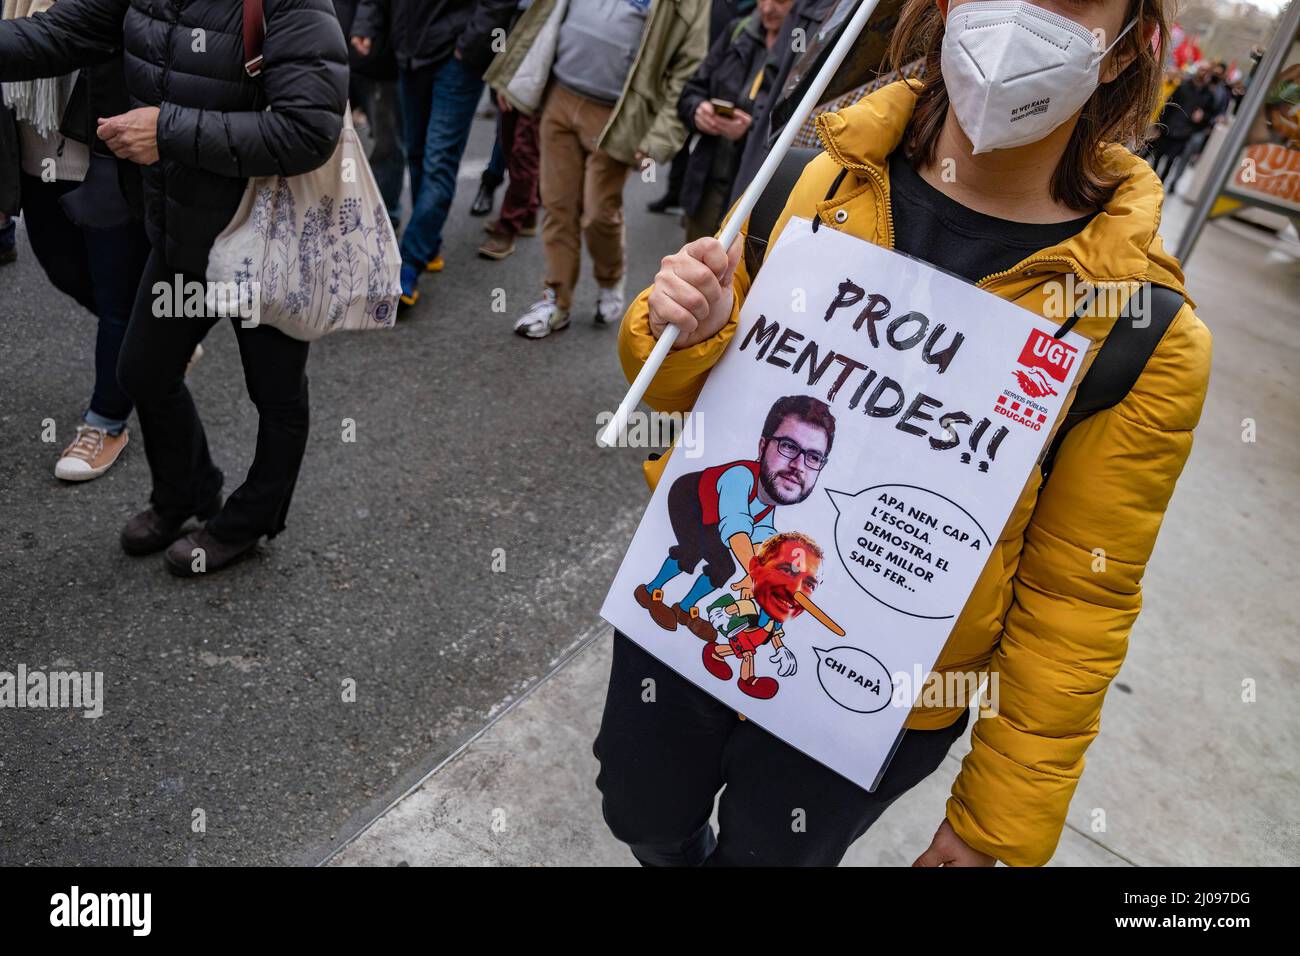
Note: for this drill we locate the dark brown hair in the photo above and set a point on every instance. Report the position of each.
(804, 407)
(1118, 112)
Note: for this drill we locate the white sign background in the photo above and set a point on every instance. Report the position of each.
(895, 620)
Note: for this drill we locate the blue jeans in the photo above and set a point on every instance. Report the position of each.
(101, 269)
(438, 104)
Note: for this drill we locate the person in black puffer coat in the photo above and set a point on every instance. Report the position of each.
(199, 127)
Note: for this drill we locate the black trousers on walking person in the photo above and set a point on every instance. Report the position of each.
(1165, 155)
(663, 762)
(152, 370)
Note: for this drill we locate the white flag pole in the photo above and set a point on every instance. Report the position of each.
(614, 429)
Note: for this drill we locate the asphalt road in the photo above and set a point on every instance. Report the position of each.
(226, 695)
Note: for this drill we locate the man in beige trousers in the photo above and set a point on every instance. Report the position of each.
(605, 76)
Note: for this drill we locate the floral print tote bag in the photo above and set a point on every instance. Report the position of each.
(310, 254)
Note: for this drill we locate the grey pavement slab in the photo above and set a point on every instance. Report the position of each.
(523, 794)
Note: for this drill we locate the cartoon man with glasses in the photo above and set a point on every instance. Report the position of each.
(721, 514)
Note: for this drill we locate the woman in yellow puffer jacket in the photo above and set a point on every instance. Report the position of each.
(1019, 218)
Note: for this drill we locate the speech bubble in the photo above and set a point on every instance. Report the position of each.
(854, 679)
(909, 548)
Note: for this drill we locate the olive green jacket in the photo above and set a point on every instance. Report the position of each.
(673, 45)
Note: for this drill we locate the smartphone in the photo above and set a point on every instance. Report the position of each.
(724, 108)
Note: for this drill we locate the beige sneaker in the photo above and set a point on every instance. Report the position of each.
(91, 454)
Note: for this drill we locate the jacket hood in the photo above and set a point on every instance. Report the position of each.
(1120, 244)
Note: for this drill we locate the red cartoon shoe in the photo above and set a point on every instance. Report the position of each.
(716, 665)
(764, 688)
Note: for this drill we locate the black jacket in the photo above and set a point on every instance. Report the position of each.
(1183, 103)
(380, 64)
(100, 90)
(727, 73)
(10, 201)
(214, 130)
(425, 32)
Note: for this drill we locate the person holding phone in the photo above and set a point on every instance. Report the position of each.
(717, 106)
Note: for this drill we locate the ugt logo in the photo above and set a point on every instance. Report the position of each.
(1051, 355)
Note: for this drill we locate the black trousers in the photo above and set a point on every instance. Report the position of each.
(1166, 153)
(152, 370)
(696, 541)
(663, 762)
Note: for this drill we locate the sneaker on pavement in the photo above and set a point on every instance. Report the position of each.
(410, 281)
(91, 453)
(609, 304)
(194, 359)
(149, 532)
(542, 318)
(435, 264)
(499, 244)
(182, 556)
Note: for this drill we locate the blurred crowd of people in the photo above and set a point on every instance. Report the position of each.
(586, 92)
(115, 194)
(1194, 106)
(130, 132)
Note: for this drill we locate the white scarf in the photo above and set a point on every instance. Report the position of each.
(41, 102)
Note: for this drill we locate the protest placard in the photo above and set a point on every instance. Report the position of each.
(803, 578)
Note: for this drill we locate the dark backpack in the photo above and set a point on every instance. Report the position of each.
(1113, 372)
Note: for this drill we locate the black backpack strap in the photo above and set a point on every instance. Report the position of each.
(773, 199)
(1120, 361)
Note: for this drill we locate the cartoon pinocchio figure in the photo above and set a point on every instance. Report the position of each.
(721, 514)
(785, 570)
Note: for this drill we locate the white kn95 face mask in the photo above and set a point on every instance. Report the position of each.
(1014, 72)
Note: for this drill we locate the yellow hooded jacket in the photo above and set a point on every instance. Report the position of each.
(1049, 617)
